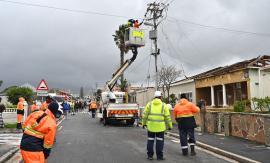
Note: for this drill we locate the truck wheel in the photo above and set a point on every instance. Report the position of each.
(130, 121)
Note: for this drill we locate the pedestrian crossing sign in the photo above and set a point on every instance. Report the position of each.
(42, 86)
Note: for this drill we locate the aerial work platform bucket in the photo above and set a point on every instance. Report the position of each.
(134, 37)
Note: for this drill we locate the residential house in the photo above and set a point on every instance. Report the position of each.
(222, 86)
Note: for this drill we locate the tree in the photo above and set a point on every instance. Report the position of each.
(124, 85)
(81, 92)
(1, 82)
(120, 43)
(6, 89)
(16, 92)
(98, 94)
(166, 76)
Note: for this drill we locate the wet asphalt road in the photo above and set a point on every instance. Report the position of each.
(84, 140)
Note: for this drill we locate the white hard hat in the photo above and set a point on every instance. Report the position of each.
(157, 94)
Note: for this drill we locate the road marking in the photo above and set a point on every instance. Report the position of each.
(58, 123)
(218, 150)
(204, 150)
(11, 139)
(60, 128)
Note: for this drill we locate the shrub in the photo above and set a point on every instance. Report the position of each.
(239, 106)
(261, 104)
(10, 125)
(16, 92)
(267, 102)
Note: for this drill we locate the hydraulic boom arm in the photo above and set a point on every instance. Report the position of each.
(120, 71)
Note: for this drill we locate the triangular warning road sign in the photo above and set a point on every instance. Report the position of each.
(42, 86)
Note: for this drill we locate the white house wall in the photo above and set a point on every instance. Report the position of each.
(254, 82)
(184, 88)
(144, 96)
(265, 83)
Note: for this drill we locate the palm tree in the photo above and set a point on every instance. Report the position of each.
(120, 43)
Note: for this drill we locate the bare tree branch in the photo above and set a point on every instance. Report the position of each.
(166, 76)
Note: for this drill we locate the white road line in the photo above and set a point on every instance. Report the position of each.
(60, 128)
(58, 123)
(221, 150)
(204, 150)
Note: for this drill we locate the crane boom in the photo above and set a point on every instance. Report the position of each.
(120, 71)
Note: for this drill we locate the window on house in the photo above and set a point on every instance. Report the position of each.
(188, 95)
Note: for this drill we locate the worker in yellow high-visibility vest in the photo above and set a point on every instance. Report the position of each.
(156, 117)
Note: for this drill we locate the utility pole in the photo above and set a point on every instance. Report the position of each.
(153, 17)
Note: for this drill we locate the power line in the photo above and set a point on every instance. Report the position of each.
(66, 9)
(217, 28)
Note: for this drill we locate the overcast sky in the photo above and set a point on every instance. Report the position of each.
(72, 49)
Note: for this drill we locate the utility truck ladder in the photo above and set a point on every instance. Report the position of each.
(120, 71)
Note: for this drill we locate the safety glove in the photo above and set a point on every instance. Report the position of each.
(46, 152)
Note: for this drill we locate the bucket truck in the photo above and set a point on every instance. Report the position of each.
(113, 104)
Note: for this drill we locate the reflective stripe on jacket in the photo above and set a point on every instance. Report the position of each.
(183, 113)
(156, 116)
(39, 131)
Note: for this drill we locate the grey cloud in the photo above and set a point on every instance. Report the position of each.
(71, 50)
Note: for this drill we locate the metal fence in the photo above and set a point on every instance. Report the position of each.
(10, 110)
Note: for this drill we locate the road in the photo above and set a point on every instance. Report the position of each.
(83, 139)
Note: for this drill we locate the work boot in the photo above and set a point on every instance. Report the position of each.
(192, 152)
(185, 152)
(150, 157)
(161, 158)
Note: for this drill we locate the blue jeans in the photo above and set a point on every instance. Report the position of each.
(159, 137)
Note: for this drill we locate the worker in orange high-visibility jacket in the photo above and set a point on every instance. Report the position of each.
(137, 24)
(39, 134)
(93, 108)
(45, 104)
(20, 112)
(184, 115)
(34, 107)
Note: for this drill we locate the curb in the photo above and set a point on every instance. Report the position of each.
(219, 151)
(10, 130)
(8, 155)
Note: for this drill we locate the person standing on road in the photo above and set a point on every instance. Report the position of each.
(66, 108)
(39, 134)
(45, 104)
(183, 113)
(156, 117)
(34, 107)
(93, 108)
(20, 112)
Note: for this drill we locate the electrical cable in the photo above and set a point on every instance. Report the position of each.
(175, 20)
(66, 9)
(161, 60)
